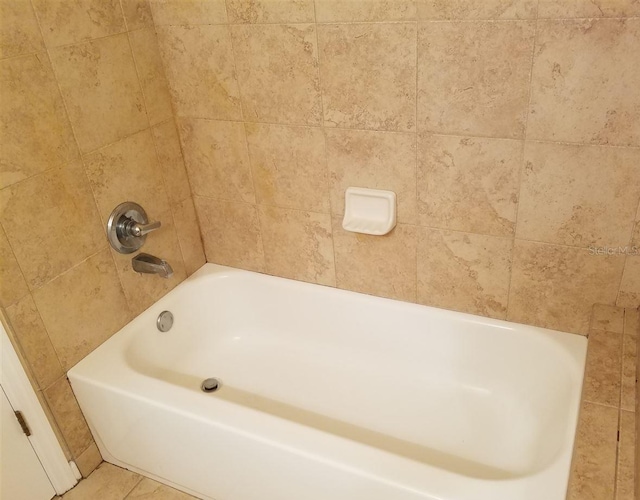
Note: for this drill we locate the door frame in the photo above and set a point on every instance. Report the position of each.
(22, 397)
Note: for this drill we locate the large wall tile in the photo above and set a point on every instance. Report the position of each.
(269, 11)
(379, 265)
(289, 166)
(630, 287)
(377, 160)
(298, 245)
(588, 8)
(469, 184)
(578, 195)
(365, 10)
(137, 14)
(88, 460)
(83, 307)
(199, 65)
(464, 272)
(585, 82)
(555, 286)
(52, 222)
(36, 134)
(473, 9)
(602, 372)
(629, 360)
(217, 159)
(278, 73)
(71, 21)
(188, 12)
(151, 73)
(171, 160)
(627, 465)
(231, 233)
(468, 83)
(128, 170)
(100, 86)
(184, 215)
(19, 30)
(368, 74)
(12, 283)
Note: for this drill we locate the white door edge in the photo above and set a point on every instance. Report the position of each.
(20, 393)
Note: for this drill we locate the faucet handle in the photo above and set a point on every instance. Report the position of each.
(137, 229)
(128, 227)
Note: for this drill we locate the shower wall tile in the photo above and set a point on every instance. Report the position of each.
(298, 245)
(64, 228)
(556, 286)
(463, 271)
(89, 460)
(36, 134)
(368, 74)
(151, 73)
(584, 83)
(289, 166)
(12, 283)
(199, 65)
(469, 184)
(217, 159)
(278, 85)
(174, 172)
(377, 265)
(468, 83)
(372, 159)
(578, 195)
(137, 14)
(602, 374)
(629, 295)
(629, 360)
(627, 467)
(471, 9)
(71, 21)
(188, 12)
(188, 230)
(268, 11)
(609, 318)
(101, 90)
(365, 10)
(632, 322)
(19, 30)
(231, 233)
(587, 8)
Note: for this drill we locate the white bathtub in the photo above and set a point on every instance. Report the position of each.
(332, 395)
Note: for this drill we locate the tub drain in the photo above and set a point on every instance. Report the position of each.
(210, 385)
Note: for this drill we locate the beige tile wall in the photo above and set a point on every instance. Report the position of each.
(509, 129)
(87, 123)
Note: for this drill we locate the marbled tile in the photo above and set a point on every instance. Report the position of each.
(59, 211)
(588, 8)
(635, 237)
(289, 166)
(584, 82)
(107, 482)
(230, 233)
(629, 295)
(372, 159)
(555, 286)
(468, 83)
(68, 416)
(298, 245)
(100, 87)
(594, 456)
(365, 10)
(171, 160)
(12, 283)
(609, 318)
(137, 14)
(217, 159)
(627, 468)
(188, 12)
(151, 73)
(278, 73)
(143, 290)
(629, 360)
(78, 307)
(34, 341)
(631, 322)
(71, 21)
(464, 272)
(188, 230)
(602, 372)
(269, 11)
(88, 460)
(36, 134)
(384, 266)
(578, 195)
(148, 489)
(471, 9)
(19, 31)
(469, 184)
(127, 170)
(368, 75)
(200, 68)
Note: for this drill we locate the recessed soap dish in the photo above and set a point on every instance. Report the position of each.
(369, 211)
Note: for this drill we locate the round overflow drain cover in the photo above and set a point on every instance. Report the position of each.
(210, 385)
(165, 321)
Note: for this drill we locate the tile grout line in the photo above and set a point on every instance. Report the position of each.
(416, 138)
